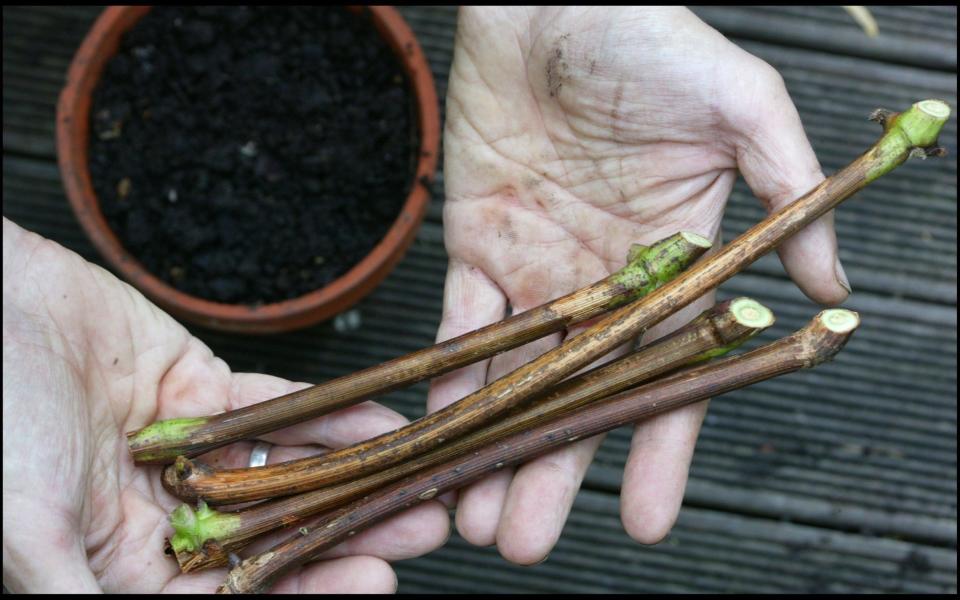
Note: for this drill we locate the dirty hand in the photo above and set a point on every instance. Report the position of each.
(570, 134)
(86, 358)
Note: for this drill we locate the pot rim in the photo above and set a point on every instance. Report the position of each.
(73, 111)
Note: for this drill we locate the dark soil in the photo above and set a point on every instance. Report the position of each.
(251, 155)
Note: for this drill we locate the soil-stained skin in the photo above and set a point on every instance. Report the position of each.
(251, 155)
(557, 67)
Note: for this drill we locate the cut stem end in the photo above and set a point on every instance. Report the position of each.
(696, 239)
(751, 313)
(938, 109)
(193, 528)
(840, 320)
(146, 445)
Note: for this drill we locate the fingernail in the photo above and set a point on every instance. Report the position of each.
(842, 276)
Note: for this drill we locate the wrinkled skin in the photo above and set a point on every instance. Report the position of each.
(86, 358)
(570, 134)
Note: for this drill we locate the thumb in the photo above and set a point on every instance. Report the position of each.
(779, 165)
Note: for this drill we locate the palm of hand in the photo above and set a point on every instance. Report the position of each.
(572, 134)
(591, 155)
(87, 359)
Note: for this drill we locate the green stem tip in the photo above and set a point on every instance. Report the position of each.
(913, 132)
(193, 528)
(649, 267)
(162, 433)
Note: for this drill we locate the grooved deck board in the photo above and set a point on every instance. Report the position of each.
(838, 479)
(706, 552)
(919, 36)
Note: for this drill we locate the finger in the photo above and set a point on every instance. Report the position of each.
(449, 499)
(479, 505)
(661, 449)
(541, 493)
(471, 300)
(538, 502)
(353, 574)
(237, 455)
(411, 533)
(195, 384)
(812, 261)
(310, 438)
(779, 165)
(349, 575)
(336, 430)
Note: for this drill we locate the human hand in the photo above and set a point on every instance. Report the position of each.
(86, 358)
(570, 134)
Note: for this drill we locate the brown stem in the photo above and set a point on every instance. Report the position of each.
(905, 134)
(647, 268)
(819, 341)
(716, 331)
(191, 481)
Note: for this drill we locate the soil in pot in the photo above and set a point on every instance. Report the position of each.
(251, 155)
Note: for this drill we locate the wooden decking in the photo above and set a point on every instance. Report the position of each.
(843, 479)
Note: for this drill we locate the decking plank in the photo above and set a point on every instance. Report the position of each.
(707, 551)
(926, 38)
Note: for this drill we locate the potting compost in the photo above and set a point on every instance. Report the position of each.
(251, 155)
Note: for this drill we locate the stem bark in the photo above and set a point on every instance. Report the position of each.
(716, 331)
(910, 133)
(647, 268)
(819, 341)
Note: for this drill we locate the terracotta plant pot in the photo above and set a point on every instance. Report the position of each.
(73, 130)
